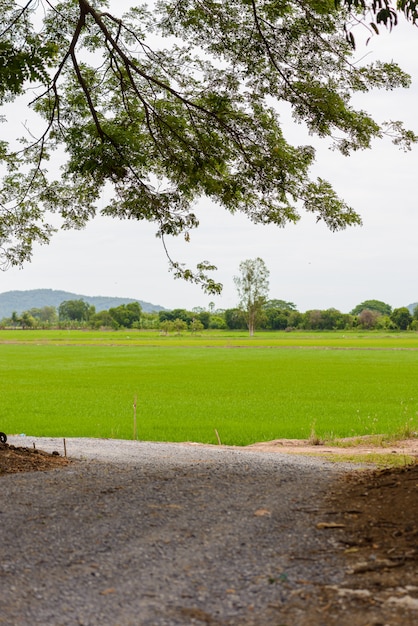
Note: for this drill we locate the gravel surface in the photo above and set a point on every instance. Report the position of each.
(136, 533)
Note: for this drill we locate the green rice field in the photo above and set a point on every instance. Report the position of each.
(275, 385)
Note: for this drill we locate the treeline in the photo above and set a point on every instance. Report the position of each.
(77, 314)
(362, 317)
(274, 315)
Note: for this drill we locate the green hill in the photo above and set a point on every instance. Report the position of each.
(20, 301)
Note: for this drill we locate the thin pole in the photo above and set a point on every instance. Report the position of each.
(135, 431)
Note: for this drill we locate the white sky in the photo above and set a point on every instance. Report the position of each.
(308, 265)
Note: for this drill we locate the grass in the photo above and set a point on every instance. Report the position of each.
(337, 340)
(376, 441)
(376, 459)
(72, 383)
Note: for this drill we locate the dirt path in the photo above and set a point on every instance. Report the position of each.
(172, 534)
(108, 449)
(351, 446)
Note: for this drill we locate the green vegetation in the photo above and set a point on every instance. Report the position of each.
(73, 383)
(379, 459)
(254, 312)
(252, 285)
(177, 101)
(216, 338)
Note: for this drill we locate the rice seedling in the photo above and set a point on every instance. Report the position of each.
(53, 387)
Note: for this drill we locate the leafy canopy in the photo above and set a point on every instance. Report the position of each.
(178, 101)
(372, 305)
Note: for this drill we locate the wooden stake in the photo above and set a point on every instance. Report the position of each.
(65, 449)
(218, 438)
(135, 431)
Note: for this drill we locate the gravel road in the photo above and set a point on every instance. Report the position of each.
(155, 534)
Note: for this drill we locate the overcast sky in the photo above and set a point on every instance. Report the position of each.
(308, 265)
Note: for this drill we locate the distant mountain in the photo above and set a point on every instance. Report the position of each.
(411, 307)
(20, 301)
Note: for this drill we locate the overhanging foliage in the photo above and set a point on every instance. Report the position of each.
(177, 102)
